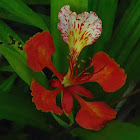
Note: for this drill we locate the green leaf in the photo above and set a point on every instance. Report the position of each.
(60, 121)
(92, 5)
(17, 57)
(106, 10)
(37, 2)
(61, 48)
(4, 37)
(18, 63)
(136, 120)
(8, 16)
(127, 92)
(125, 29)
(7, 84)
(21, 10)
(112, 131)
(123, 46)
(129, 45)
(132, 65)
(71, 118)
(85, 134)
(20, 66)
(6, 31)
(17, 106)
(7, 68)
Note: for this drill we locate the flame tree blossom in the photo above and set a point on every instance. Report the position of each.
(78, 31)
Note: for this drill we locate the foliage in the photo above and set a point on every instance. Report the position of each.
(20, 19)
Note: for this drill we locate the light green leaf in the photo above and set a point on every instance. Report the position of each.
(5, 31)
(20, 66)
(71, 118)
(17, 57)
(21, 10)
(60, 121)
(9, 16)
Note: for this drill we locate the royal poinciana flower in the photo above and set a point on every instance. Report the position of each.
(77, 31)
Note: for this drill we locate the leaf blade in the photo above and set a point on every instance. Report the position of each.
(20, 9)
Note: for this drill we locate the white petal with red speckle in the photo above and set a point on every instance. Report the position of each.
(87, 23)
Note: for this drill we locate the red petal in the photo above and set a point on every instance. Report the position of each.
(67, 101)
(82, 91)
(107, 72)
(94, 115)
(39, 50)
(55, 83)
(45, 100)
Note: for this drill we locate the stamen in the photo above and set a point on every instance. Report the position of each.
(100, 69)
(71, 68)
(85, 71)
(88, 67)
(76, 70)
(53, 75)
(74, 65)
(83, 61)
(68, 58)
(76, 59)
(79, 66)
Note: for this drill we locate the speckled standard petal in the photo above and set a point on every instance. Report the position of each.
(79, 30)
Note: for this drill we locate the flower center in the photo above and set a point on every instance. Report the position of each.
(66, 82)
(75, 74)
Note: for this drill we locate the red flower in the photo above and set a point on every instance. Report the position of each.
(78, 31)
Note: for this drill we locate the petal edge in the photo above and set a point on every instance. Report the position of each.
(67, 101)
(94, 115)
(45, 100)
(39, 50)
(107, 72)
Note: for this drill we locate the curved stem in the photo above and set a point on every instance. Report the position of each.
(123, 98)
